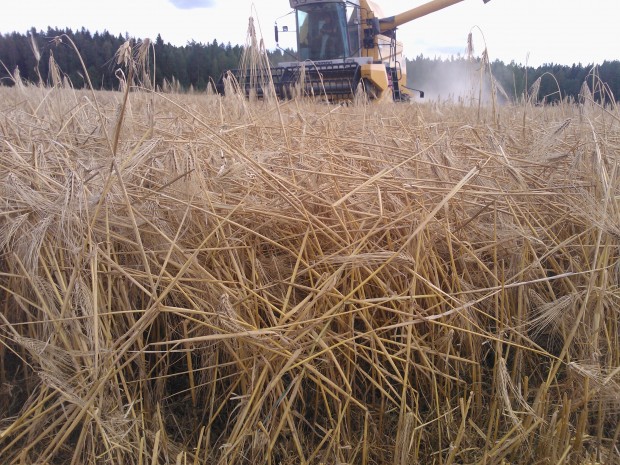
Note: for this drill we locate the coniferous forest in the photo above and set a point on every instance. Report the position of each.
(194, 65)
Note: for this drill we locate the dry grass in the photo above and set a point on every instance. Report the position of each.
(193, 279)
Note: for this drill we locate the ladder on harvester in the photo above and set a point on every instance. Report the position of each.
(393, 81)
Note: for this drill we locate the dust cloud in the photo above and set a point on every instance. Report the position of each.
(460, 81)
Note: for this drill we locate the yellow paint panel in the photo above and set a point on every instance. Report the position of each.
(376, 74)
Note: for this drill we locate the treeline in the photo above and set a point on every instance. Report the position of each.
(192, 65)
(196, 64)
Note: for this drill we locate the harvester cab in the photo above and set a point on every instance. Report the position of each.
(342, 47)
(324, 32)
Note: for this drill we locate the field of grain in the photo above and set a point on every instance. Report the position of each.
(195, 279)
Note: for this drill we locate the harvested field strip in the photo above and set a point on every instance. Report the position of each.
(198, 279)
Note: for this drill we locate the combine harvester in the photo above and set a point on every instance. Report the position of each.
(342, 46)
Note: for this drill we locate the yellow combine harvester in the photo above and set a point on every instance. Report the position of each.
(342, 46)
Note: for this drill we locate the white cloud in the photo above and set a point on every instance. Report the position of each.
(191, 4)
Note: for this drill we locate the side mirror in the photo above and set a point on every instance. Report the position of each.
(275, 30)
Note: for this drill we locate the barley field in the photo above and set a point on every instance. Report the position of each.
(197, 279)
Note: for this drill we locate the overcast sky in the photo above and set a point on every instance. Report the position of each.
(536, 31)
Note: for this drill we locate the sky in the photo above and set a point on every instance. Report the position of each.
(524, 31)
